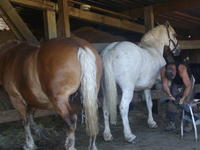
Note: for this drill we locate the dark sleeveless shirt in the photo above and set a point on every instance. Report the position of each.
(178, 80)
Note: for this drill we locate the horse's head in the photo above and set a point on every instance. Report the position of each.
(161, 36)
(172, 41)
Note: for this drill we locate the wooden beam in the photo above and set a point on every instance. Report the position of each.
(13, 115)
(148, 18)
(190, 44)
(106, 20)
(170, 6)
(89, 16)
(11, 16)
(63, 25)
(111, 13)
(50, 24)
(188, 17)
(38, 4)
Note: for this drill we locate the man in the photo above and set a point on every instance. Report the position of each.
(180, 90)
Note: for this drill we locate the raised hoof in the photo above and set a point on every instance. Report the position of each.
(107, 137)
(131, 139)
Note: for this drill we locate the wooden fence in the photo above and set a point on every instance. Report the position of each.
(9, 114)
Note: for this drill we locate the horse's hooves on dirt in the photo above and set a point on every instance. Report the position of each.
(131, 139)
(27, 147)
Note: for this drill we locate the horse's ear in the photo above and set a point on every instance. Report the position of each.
(167, 24)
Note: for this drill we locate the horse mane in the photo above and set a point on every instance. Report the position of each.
(149, 39)
(154, 36)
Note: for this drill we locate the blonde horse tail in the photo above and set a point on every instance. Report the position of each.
(109, 88)
(89, 89)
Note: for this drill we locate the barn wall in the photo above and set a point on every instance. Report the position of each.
(5, 36)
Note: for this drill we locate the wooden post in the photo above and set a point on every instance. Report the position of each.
(50, 24)
(12, 18)
(63, 26)
(149, 24)
(148, 18)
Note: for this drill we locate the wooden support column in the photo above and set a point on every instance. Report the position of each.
(148, 18)
(149, 24)
(12, 18)
(63, 26)
(50, 24)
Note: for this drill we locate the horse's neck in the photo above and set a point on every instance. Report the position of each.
(156, 54)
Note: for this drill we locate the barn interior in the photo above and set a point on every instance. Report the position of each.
(99, 21)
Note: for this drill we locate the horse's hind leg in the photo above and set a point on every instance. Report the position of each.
(64, 109)
(40, 132)
(92, 145)
(21, 106)
(70, 140)
(107, 133)
(30, 145)
(127, 96)
(151, 122)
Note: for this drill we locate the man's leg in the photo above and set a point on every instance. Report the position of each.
(171, 116)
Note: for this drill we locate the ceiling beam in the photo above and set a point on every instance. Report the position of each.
(173, 5)
(38, 4)
(15, 22)
(106, 20)
(188, 17)
(86, 15)
(190, 44)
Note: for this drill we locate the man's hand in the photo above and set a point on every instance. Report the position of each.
(171, 98)
(182, 101)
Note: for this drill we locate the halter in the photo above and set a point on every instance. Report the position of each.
(170, 40)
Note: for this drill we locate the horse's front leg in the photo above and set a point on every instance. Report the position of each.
(127, 96)
(151, 122)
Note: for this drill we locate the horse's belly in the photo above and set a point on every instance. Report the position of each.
(144, 84)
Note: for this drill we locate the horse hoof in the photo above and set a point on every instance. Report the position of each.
(131, 139)
(93, 148)
(29, 147)
(153, 125)
(107, 137)
(71, 148)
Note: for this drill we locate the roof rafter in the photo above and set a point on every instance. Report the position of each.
(175, 5)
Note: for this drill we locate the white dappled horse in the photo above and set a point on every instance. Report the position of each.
(133, 68)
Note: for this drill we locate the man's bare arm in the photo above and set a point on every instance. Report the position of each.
(187, 83)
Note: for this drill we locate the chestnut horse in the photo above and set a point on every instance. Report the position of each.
(46, 77)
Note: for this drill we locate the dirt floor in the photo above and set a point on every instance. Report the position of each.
(12, 135)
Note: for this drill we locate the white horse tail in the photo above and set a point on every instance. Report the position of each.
(89, 89)
(109, 87)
